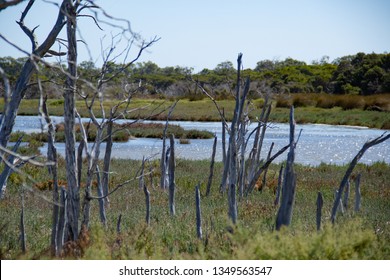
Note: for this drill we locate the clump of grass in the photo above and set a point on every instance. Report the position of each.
(349, 102)
(283, 102)
(326, 102)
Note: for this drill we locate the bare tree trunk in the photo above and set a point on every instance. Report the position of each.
(340, 207)
(62, 221)
(172, 185)
(351, 166)
(346, 195)
(100, 193)
(211, 167)
(69, 120)
(163, 162)
(22, 227)
(107, 161)
(223, 137)
(7, 168)
(10, 111)
(52, 156)
(279, 187)
(80, 150)
(320, 203)
(147, 202)
(289, 183)
(198, 213)
(118, 224)
(357, 193)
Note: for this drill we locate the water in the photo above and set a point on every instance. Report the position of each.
(317, 144)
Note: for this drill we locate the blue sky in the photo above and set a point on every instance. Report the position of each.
(203, 33)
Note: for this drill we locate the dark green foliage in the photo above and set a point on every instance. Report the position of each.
(354, 74)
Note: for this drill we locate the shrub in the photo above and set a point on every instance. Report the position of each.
(283, 103)
(325, 102)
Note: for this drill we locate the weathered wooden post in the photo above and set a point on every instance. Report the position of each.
(22, 227)
(198, 213)
(340, 207)
(346, 195)
(172, 176)
(357, 193)
(289, 183)
(62, 220)
(320, 203)
(211, 166)
(279, 187)
(163, 162)
(147, 201)
(118, 224)
(100, 193)
(223, 137)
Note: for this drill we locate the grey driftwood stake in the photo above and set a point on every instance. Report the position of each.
(62, 220)
(163, 162)
(172, 185)
(22, 227)
(346, 195)
(279, 187)
(147, 202)
(320, 203)
(118, 224)
(100, 193)
(211, 166)
(289, 182)
(357, 193)
(351, 166)
(198, 213)
(340, 207)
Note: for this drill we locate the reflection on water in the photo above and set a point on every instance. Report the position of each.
(318, 143)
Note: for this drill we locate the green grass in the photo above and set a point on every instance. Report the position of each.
(365, 235)
(122, 133)
(371, 111)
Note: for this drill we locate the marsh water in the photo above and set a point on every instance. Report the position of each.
(318, 143)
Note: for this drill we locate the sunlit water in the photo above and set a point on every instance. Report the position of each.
(318, 143)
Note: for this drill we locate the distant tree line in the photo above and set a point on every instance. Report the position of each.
(362, 73)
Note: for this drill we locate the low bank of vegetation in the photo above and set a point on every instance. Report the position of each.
(370, 111)
(363, 235)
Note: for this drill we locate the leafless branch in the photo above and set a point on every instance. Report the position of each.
(5, 4)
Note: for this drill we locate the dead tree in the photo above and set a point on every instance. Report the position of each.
(62, 221)
(69, 120)
(53, 170)
(172, 184)
(198, 213)
(357, 193)
(210, 180)
(5, 4)
(22, 226)
(147, 202)
(289, 182)
(346, 195)
(351, 166)
(7, 120)
(163, 162)
(320, 203)
(279, 186)
(8, 168)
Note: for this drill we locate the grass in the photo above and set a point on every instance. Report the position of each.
(364, 235)
(123, 132)
(371, 111)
